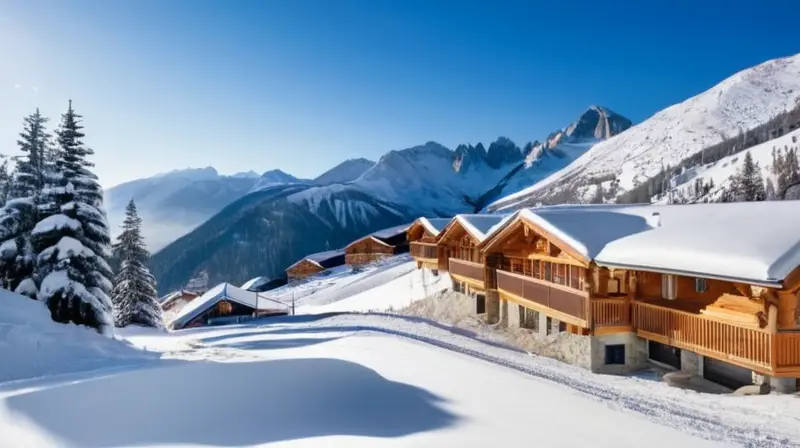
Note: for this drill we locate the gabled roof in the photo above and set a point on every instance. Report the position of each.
(320, 258)
(175, 295)
(369, 237)
(477, 226)
(228, 292)
(391, 231)
(754, 242)
(434, 225)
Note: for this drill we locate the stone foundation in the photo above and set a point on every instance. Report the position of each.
(692, 363)
(635, 353)
(780, 385)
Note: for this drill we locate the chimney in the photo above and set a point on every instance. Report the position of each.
(654, 220)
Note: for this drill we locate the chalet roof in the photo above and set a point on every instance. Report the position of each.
(173, 296)
(228, 292)
(320, 258)
(391, 231)
(434, 225)
(478, 226)
(755, 242)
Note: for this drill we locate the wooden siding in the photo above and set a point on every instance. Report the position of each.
(367, 250)
(357, 259)
(570, 304)
(303, 269)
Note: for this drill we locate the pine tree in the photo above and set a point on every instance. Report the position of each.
(21, 212)
(598, 195)
(73, 242)
(748, 184)
(5, 183)
(135, 297)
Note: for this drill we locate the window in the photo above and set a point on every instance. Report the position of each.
(480, 305)
(574, 276)
(559, 273)
(615, 354)
(668, 289)
(700, 285)
(549, 328)
(548, 271)
(521, 310)
(516, 266)
(537, 272)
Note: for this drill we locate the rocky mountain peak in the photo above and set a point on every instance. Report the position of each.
(502, 152)
(596, 123)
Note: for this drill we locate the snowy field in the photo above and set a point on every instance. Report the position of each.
(352, 379)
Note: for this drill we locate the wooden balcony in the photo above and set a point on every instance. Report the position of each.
(426, 252)
(751, 348)
(611, 313)
(561, 302)
(468, 271)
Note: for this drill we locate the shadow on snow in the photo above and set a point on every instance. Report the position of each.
(233, 404)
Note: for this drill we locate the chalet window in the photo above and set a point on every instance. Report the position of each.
(615, 354)
(549, 328)
(560, 273)
(700, 285)
(516, 266)
(537, 271)
(574, 277)
(526, 268)
(548, 274)
(224, 308)
(521, 313)
(668, 287)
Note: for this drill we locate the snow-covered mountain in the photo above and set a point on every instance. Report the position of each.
(559, 149)
(740, 103)
(264, 232)
(434, 180)
(347, 171)
(276, 177)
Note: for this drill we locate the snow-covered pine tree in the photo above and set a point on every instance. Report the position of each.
(73, 243)
(20, 213)
(748, 183)
(134, 296)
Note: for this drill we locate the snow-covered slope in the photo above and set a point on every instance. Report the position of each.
(741, 102)
(32, 345)
(720, 172)
(347, 171)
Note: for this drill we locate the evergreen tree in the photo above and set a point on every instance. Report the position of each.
(598, 195)
(5, 183)
(73, 242)
(769, 189)
(748, 184)
(135, 297)
(20, 213)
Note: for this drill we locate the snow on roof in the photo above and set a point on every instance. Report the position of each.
(253, 281)
(319, 258)
(757, 242)
(479, 225)
(391, 231)
(434, 225)
(224, 291)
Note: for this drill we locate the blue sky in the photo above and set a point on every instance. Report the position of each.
(301, 85)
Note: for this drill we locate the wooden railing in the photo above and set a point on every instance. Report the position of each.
(468, 269)
(787, 351)
(746, 347)
(610, 312)
(560, 298)
(423, 250)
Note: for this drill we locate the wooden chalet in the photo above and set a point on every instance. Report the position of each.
(710, 289)
(459, 254)
(226, 303)
(422, 236)
(375, 246)
(177, 298)
(314, 264)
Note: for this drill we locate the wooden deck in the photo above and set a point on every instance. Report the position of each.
(468, 271)
(424, 252)
(558, 301)
(768, 353)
